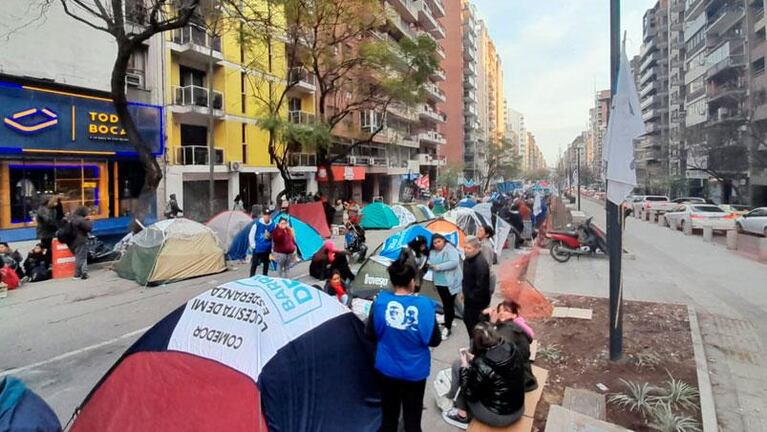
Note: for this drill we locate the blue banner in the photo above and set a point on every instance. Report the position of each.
(49, 121)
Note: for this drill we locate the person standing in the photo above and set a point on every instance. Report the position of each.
(81, 229)
(404, 326)
(260, 241)
(485, 235)
(171, 208)
(238, 205)
(47, 225)
(476, 283)
(284, 245)
(444, 262)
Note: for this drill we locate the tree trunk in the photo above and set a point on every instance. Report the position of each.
(211, 138)
(152, 171)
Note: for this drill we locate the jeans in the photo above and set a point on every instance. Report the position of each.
(258, 258)
(399, 394)
(81, 260)
(448, 305)
(283, 261)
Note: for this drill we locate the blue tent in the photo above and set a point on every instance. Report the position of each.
(392, 245)
(23, 410)
(467, 203)
(308, 239)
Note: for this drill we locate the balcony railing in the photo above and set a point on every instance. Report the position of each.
(432, 159)
(302, 159)
(197, 155)
(192, 95)
(300, 76)
(435, 91)
(439, 74)
(301, 117)
(432, 137)
(197, 36)
(430, 113)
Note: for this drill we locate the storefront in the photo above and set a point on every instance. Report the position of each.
(71, 147)
(348, 181)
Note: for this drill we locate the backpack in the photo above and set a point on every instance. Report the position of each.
(66, 234)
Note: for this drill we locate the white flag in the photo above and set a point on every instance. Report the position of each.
(624, 126)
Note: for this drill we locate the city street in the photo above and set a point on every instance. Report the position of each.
(726, 289)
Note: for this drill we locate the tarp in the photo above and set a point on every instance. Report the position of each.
(420, 216)
(171, 250)
(308, 239)
(404, 215)
(256, 354)
(378, 216)
(23, 410)
(227, 224)
(312, 213)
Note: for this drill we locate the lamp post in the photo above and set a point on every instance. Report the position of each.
(578, 167)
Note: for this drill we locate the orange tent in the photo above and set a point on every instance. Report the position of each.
(443, 226)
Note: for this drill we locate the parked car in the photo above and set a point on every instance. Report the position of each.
(696, 216)
(658, 203)
(754, 222)
(735, 210)
(689, 200)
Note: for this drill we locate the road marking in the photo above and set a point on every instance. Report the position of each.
(73, 353)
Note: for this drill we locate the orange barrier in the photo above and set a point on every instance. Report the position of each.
(514, 286)
(63, 261)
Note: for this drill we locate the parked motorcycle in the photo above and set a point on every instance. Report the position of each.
(586, 239)
(354, 242)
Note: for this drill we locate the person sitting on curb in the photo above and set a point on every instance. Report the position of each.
(327, 259)
(515, 330)
(335, 286)
(36, 265)
(491, 382)
(12, 259)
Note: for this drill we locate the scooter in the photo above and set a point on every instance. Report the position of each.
(587, 239)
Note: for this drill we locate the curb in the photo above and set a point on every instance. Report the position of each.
(707, 408)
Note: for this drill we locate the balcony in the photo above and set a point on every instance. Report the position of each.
(649, 61)
(648, 101)
(432, 137)
(437, 8)
(693, 8)
(426, 17)
(302, 117)
(402, 112)
(728, 56)
(650, 87)
(195, 43)
(469, 68)
(302, 159)
(727, 95)
(724, 19)
(649, 73)
(197, 155)
(191, 103)
(302, 80)
(396, 22)
(434, 93)
(438, 74)
(469, 82)
(469, 111)
(425, 112)
(406, 9)
(431, 159)
(469, 52)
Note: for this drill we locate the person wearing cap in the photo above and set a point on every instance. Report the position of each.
(260, 242)
(444, 262)
(327, 259)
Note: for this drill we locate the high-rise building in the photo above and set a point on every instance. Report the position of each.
(598, 124)
(454, 85)
(474, 90)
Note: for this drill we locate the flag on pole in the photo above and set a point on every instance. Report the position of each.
(624, 126)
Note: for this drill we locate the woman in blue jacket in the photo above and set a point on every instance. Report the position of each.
(444, 263)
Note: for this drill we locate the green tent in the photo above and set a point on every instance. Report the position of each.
(378, 216)
(419, 215)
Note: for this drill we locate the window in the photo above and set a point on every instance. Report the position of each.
(244, 144)
(757, 67)
(243, 95)
(135, 76)
(294, 104)
(191, 77)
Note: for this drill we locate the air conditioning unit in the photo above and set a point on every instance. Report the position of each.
(134, 80)
(235, 166)
(371, 161)
(352, 160)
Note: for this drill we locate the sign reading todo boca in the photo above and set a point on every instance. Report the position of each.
(38, 119)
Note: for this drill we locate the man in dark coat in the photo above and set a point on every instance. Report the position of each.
(171, 208)
(476, 283)
(47, 225)
(81, 228)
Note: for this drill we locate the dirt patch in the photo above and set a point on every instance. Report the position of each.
(653, 333)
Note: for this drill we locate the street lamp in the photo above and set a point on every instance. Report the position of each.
(578, 168)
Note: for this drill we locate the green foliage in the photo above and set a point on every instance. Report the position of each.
(679, 395)
(450, 177)
(638, 398)
(646, 359)
(551, 353)
(664, 419)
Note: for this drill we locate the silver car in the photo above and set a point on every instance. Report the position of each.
(754, 222)
(695, 216)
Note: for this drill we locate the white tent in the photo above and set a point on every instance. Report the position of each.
(404, 215)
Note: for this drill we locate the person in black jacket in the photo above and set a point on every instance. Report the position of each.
(491, 382)
(47, 225)
(476, 283)
(36, 265)
(81, 229)
(327, 259)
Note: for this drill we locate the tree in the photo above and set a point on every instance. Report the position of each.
(355, 68)
(131, 23)
(500, 162)
(538, 174)
(450, 178)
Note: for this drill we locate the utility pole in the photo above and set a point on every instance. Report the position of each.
(614, 232)
(578, 167)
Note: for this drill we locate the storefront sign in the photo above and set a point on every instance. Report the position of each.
(43, 120)
(342, 173)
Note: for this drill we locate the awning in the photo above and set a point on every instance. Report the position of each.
(342, 173)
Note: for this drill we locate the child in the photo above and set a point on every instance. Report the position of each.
(335, 286)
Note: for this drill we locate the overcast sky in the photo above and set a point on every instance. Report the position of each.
(554, 54)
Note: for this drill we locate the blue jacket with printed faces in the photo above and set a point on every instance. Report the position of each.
(404, 328)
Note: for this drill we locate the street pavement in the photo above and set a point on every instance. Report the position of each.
(61, 336)
(726, 289)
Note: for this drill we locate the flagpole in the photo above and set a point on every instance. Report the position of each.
(614, 234)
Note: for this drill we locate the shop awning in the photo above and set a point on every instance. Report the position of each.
(342, 173)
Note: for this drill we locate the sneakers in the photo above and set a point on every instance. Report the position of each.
(446, 332)
(84, 276)
(452, 417)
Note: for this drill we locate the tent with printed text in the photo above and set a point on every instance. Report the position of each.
(171, 250)
(378, 215)
(227, 225)
(258, 354)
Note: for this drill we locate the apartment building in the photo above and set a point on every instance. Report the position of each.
(515, 130)
(475, 93)
(651, 150)
(598, 121)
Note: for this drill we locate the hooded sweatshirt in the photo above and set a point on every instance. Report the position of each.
(257, 239)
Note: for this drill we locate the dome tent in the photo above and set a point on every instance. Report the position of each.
(227, 224)
(420, 216)
(378, 216)
(404, 215)
(251, 355)
(171, 250)
(308, 239)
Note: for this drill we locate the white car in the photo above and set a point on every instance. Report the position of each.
(696, 216)
(646, 202)
(754, 222)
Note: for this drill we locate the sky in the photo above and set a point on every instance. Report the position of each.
(555, 53)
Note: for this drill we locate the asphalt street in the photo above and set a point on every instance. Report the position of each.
(726, 289)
